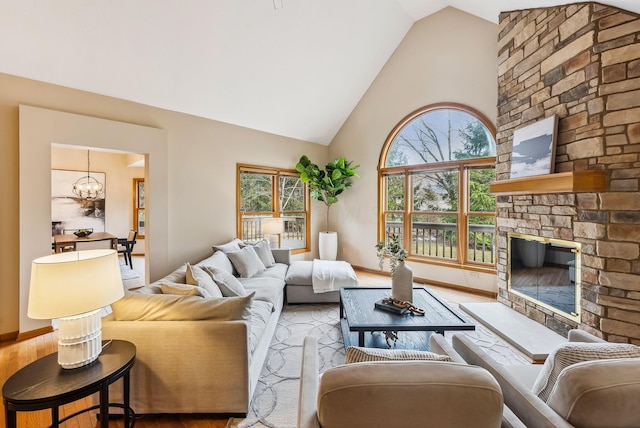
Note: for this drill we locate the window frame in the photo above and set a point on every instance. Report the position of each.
(275, 199)
(136, 207)
(463, 213)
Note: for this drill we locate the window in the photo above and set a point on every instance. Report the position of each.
(138, 206)
(435, 169)
(271, 192)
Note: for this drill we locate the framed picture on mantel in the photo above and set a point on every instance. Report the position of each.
(534, 148)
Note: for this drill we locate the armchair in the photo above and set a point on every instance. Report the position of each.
(397, 393)
(587, 394)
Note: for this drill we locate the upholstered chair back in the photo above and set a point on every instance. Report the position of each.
(600, 393)
(408, 394)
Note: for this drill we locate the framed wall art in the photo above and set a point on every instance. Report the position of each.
(534, 148)
(68, 211)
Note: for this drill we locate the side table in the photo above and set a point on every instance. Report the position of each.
(43, 384)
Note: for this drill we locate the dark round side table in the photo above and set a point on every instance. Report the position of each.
(43, 384)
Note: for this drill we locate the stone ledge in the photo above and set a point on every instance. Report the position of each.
(531, 338)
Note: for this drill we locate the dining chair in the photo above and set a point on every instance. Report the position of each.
(125, 246)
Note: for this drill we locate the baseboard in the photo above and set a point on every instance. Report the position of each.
(425, 281)
(33, 333)
(12, 335)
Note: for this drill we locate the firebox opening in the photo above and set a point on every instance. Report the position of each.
(546, 272)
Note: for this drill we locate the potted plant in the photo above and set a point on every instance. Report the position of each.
(401, 274)
(325, 185)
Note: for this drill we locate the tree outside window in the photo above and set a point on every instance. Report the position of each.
(266, 192)
(435, 171)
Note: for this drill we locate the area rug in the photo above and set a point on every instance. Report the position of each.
(275, 401)
(126, 272)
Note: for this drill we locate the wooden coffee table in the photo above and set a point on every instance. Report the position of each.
(359, 316)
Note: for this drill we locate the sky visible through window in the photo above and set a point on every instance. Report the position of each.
(440, 135)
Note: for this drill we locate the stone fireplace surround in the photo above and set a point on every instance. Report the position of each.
(581, 62)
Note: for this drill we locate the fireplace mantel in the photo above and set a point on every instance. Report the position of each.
(562, 182)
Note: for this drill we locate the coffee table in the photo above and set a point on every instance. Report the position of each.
(358, 316)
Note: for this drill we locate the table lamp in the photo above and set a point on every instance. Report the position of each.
(273, 226)
(74, 287)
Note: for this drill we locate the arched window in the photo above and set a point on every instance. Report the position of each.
(435, 169)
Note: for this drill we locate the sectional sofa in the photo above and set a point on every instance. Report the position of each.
(197, 355)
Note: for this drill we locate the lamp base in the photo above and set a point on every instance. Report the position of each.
(273, 239)
(79, 339)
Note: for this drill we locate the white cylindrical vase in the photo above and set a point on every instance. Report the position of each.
(328, 245)
(402, 283)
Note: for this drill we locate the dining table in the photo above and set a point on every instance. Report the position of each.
(70, 240)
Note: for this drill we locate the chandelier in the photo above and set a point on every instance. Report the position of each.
(87, 187)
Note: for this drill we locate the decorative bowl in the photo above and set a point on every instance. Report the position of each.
(83, 233)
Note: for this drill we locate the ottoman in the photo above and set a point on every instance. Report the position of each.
(299, 285)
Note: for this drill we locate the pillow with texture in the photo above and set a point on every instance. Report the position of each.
(183, 289)
(218, 260)
(233, 245)
(227, 283)
(571, 353)
(197, 276)
(263, 251)
(356, 354)
(167, 307)
(246, 262)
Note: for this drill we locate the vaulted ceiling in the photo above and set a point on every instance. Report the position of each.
(296, 70)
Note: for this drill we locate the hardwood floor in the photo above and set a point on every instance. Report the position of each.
(15, 355)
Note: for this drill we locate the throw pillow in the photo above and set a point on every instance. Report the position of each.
(356, 354)
(197, 276)
(263, 251)
(571, 353)
(166, 307)
(246, 262)
(233, 245)
(183, 289)
(227, 283)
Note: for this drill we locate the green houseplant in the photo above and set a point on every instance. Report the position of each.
(393, 250)
(326, 184)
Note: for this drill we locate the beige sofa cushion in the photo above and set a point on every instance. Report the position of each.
(601, 393)
(226, 282)
(300, 272)
(178, 276)
(218, 260)
(233, 245)
(266, 289)
(197, 276)
(571, 353)
(263, 251)
(167, 307)
(408, 394)
(356, 354)
(260, 314)
(183, 289)
(246, 262)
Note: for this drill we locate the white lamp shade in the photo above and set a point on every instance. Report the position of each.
(73, 283)
(273, 226)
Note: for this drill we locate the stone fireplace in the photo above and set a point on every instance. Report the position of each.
(580, 62)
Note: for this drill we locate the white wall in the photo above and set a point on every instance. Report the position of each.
(449, 56)
(195, 196)
(37, 130)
